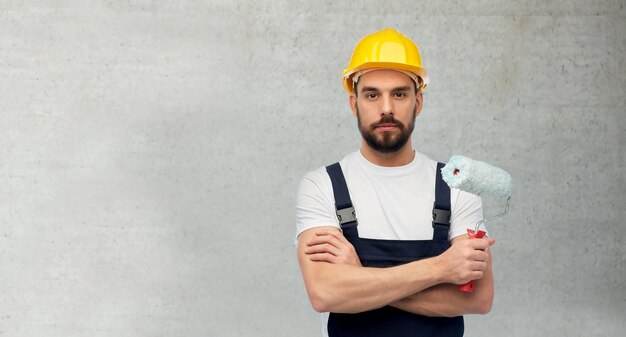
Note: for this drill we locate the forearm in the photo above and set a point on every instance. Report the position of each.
(446, 300)
(336, 286)
(350, 289)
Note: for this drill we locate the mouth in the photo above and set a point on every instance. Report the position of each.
(386, 126)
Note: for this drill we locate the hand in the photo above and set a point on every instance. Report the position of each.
(466, 260)
(331, 246)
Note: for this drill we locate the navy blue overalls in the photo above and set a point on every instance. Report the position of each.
(389, 321)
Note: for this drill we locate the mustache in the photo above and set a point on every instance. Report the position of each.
(388, 119)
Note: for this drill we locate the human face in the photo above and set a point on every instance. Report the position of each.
(386, 108)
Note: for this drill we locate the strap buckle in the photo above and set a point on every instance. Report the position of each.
(345, 215)
(441, 217)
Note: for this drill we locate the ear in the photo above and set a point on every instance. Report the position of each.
(419, 101)
(353, 104)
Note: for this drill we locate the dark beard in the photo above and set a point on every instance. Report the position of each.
(390, 142)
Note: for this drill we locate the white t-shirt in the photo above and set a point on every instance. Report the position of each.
(392, 203)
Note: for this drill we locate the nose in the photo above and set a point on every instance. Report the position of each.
(387, 106)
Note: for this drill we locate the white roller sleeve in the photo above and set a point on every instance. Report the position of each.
(477, 177)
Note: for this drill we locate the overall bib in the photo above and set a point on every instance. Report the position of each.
(389, 321)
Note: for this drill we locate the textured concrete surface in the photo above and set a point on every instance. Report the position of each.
(150, 153)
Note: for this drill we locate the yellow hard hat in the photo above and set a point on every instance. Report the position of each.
(385, 49)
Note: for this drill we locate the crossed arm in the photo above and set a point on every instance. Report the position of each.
(336, 281)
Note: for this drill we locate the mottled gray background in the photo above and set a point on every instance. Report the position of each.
(150, 153)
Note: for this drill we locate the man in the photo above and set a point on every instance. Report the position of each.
(395, 271)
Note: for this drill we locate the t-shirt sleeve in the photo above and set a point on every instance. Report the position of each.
(467, 210)
(315, 203)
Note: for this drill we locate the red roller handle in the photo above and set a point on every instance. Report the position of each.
(469, 286)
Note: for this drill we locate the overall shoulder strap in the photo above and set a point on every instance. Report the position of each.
(441, 208)
(343, 204)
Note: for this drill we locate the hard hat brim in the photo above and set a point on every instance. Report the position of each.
(349, 73)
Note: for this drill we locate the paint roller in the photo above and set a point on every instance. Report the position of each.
(482, 179)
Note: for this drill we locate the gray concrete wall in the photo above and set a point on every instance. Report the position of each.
(150, 153)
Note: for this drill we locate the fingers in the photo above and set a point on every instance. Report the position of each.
(478, 255)
(468, 260)
(481, 244)
(323, 257)
(479, 266)
(325, 238)
(331, 246)
(475, 270)
(322, 248)
(475, 275)
(336, 235)
(334, 238)
(324, 242)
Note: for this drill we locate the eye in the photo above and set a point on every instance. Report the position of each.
(399, 94)
(371, 96)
